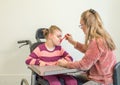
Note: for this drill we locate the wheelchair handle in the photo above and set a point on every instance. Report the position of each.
(25, 42)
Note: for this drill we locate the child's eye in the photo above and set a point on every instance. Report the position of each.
(59, 36)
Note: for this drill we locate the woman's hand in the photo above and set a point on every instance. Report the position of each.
(70, 39)
(62, 62)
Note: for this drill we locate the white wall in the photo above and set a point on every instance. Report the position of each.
(19, 19)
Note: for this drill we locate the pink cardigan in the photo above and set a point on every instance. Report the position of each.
(98, 60)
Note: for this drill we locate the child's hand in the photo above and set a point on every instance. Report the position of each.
(62, 62)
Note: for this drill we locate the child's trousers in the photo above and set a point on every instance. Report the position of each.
(54, 79)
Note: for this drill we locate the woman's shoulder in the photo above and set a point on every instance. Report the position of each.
(99, 43)
(97, 40)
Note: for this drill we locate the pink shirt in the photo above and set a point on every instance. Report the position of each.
(98, 60)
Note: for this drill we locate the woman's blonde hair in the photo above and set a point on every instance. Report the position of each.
(51, 30)
(95, 28)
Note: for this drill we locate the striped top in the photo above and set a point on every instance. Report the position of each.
(42, 56)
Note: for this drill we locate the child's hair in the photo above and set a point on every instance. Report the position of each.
(95, 28)
(51, 30)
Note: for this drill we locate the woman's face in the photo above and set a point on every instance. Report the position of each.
(83, 26)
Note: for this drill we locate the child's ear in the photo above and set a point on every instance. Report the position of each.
(50, 35)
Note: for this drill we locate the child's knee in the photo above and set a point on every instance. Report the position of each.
(53, 80)
(71, 82)
(54, 83)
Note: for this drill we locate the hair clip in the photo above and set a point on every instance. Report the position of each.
(92, 11)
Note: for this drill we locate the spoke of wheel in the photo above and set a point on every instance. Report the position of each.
(24, 81)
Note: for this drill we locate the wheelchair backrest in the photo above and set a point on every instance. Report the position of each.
(39, 36)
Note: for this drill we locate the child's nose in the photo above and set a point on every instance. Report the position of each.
(63, 38)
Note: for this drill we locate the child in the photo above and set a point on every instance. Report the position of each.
(49, 53)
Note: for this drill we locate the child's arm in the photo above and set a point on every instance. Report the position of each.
(32, 61)
(33, 58)
(66, 56)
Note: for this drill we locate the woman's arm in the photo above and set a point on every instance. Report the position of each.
(89, 59)
(81, 47)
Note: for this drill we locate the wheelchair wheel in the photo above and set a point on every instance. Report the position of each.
(24, 82)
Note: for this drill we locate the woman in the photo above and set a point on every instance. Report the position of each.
(99, 58)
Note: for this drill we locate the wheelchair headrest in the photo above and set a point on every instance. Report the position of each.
(39, 34)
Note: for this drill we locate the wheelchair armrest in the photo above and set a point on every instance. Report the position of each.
(91, 83)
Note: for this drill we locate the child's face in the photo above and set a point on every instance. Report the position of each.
(56, 37)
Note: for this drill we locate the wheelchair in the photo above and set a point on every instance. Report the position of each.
(38, 80)
(35, 78)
